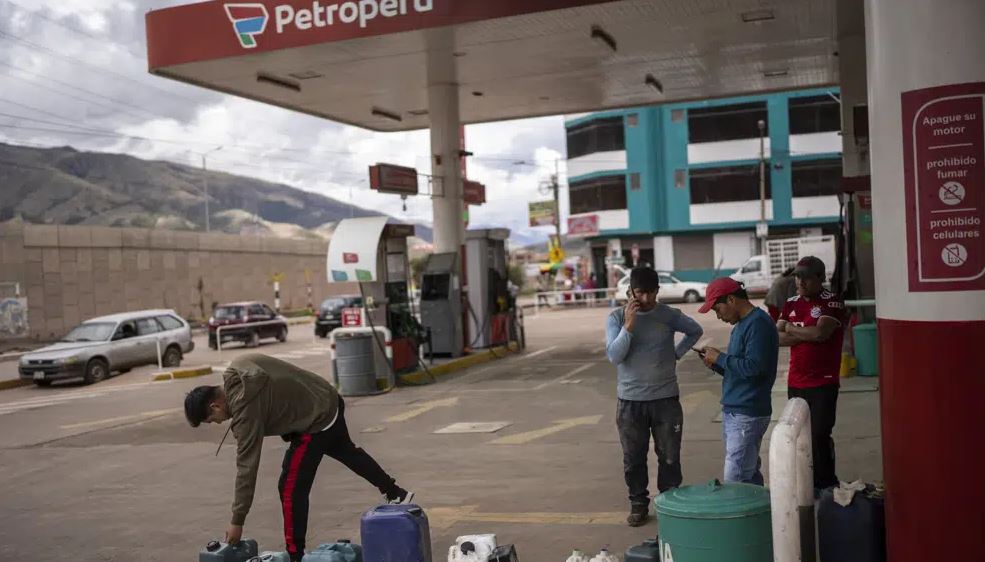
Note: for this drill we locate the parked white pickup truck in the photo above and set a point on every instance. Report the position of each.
(759, 271)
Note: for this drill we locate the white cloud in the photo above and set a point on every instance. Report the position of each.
(258, 140)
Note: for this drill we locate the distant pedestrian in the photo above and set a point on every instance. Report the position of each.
(783, 287)
(812, 324)
(748, 370)
(640, 342)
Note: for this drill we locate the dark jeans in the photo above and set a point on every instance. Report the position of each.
(823, 402)
(300, 465)
(637, 421)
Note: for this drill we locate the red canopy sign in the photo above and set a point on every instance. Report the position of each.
(473, 192)
(387, 178)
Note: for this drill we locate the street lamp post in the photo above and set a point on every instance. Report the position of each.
(761, 230)
(205, 182)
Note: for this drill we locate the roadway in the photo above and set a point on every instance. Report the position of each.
(113, 472)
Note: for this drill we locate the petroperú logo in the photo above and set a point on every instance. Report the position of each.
(250, 20)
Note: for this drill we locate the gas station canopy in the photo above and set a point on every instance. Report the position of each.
(365, 62)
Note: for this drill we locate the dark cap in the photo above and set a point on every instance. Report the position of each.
(809, 266)
(718, 288)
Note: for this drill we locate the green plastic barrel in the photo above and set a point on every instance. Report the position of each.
(866, 349)
(715, 522)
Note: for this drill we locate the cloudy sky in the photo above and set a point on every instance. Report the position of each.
(74, 72)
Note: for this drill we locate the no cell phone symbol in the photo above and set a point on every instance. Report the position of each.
(952, 193)
(954, 255)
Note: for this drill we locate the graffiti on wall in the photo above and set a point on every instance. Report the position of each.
(13, 317)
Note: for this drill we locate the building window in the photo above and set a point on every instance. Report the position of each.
(726, 122)
(816, 178)
(600, 135)
(814, 114)
(732, 183)
(599, 194)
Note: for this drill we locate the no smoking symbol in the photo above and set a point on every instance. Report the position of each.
(954, 255)
(951, 193)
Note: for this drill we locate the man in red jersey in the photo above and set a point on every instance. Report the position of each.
(812, 325)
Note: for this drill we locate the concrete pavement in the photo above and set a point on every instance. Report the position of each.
(113, 472)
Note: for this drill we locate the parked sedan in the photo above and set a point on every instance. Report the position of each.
(98, 347)
(330, 313)
(246, 322)
(671, 289)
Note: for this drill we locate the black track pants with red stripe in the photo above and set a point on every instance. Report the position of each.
(300, 465)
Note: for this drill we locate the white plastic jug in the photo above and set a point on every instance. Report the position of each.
(481, 545)
(484, 544)
(455, 554)
(604, 556)
(577, 556)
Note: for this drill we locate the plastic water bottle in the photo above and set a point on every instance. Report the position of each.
(577, 556)
(604, 556)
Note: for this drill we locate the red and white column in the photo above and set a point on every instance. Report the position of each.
(926, 83)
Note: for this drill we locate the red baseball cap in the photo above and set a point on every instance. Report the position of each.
(721, 287)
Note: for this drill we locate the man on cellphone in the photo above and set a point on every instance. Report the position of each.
(640, 343)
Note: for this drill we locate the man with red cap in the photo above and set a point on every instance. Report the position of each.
(812, 324)
(748, 370)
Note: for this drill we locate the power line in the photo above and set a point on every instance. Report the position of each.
(72, 96)
(40, 15)
(72, 86)
(74, 60)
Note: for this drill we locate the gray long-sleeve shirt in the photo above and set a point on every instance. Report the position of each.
(646, 359)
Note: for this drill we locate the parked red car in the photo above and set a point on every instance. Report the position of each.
(249, 323)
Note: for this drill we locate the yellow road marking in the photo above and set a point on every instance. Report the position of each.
(444, 517)
(152, 414)
(422, 409)
(557, 427)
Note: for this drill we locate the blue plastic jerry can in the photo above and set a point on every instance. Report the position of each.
(396, 533)
(339, 551)
(217, 551)
(271, 557)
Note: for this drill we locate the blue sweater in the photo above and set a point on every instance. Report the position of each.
(646, 359)
(749, 366)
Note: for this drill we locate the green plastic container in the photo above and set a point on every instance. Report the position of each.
(715, 522)
(866, 349)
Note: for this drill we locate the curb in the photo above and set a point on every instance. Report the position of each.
(13, 383)
(5, 357)
(188, 373)
(420, 377)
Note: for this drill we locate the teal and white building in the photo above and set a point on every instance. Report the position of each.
(681, 181)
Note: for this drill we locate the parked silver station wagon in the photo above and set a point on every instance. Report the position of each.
(116, 343)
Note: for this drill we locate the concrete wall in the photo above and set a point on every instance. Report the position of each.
(71, 273)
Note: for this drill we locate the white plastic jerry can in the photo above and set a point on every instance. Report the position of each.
(577, 556)
(605, 556)
(456, 554)
(472, 548)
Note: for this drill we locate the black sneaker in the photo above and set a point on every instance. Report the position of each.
(400, 497)
(638, 514)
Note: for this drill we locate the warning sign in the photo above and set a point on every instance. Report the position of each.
(944, 167)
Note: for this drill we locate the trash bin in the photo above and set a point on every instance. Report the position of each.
(355, 365)
(715, 522)
(866, 349)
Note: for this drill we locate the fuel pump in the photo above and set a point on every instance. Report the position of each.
(488, 288)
